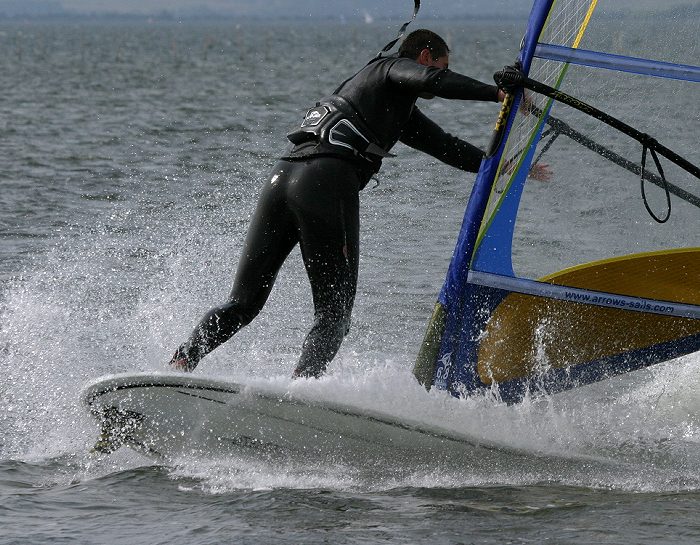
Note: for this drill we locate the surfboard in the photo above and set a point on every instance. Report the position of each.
(174, 415)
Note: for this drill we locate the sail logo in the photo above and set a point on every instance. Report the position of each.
(607, 301)
(444, 364)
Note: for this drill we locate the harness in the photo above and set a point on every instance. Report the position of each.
(335, 123)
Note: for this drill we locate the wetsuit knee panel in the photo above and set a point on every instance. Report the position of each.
(339, 322)
(231, 315)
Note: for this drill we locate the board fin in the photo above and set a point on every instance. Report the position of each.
(117, 429)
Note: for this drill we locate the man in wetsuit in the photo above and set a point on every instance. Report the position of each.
(312, 195)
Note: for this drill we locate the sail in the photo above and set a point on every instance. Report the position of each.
(595, 273)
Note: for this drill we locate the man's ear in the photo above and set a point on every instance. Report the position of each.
(425, 57)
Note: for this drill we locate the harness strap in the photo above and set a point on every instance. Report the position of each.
(402, 30)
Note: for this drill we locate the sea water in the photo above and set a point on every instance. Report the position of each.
(132, 154)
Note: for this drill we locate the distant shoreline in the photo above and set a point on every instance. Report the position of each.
(56, 14)
(168, 18)
(227, 20)
(213, 18)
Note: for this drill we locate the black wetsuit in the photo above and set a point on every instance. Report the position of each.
(312, 198)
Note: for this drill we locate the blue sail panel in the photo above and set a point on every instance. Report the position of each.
(494, 252)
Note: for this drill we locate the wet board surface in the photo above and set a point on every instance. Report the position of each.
(172, 415)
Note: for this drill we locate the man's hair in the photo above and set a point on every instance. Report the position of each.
(421, 39)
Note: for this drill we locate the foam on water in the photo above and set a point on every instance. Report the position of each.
(78, 314)
(638, 432)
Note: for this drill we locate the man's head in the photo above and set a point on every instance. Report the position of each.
(425, 47)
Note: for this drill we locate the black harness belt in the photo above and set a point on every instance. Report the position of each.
(334, 122)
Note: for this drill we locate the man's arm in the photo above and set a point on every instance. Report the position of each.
(425, 135)
(411, 77)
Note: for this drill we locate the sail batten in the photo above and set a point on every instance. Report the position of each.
(622, 63)
(583, 296)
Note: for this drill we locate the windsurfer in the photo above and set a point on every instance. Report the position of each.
(312, 195)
